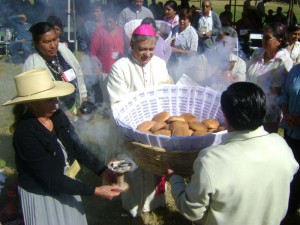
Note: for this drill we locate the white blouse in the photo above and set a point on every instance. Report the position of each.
(187, 39)
(294, 52)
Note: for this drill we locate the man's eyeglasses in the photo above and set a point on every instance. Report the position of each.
(267, 37)
(205, 6)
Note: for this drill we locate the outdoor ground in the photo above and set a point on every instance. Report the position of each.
(99, 211)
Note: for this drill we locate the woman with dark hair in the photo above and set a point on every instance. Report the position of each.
(184, 43)
(48, 154)
(171, 13)
(58, 27)
(185, 36)
(268, 68)
(60, 62)
(293, 36)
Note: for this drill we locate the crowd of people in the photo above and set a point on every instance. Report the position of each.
(259, 95)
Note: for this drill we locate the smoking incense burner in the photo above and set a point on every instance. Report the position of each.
(120, 167)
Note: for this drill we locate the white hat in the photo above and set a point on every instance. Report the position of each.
(36, 84)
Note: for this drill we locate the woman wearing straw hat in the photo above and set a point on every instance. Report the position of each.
(47, 152)
(60, 61)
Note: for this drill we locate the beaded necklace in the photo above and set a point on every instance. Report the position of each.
(55, 63)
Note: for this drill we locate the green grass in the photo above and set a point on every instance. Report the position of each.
(218, 6)
(7, 73)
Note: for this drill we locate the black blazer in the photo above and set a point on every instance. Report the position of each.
(39, 159)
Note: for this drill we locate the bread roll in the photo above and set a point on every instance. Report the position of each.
(167, 127)
(199, 133)
(180, 131)
(197, 126)
(210, 123)
(161, 117)
(190, 132)
(179, 124)
(188, 117)
(175, 118)
(163, 132)
(146, 125)
(212, 130)
(221, 128)
(158, 126)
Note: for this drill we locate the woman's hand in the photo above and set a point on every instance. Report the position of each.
(107, 191)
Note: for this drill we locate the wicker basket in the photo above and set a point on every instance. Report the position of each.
(154, 152)
(142, 105)
(155, 160)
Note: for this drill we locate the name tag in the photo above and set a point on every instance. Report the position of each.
(73, 170)
(69, 75)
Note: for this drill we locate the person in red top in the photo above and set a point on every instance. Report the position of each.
(107, 46)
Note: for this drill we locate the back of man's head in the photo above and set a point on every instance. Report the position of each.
(244, 106)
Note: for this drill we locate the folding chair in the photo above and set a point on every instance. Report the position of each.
(3, 44)
(255, 41)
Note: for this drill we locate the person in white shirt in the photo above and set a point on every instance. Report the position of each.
(141, 69)
(246, 179)
(133, 12)
(293, 35)
(226, 67)
(207, 23)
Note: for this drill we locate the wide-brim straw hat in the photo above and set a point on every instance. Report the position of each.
(36, 84)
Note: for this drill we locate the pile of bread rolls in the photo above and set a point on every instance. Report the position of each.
(184, 125)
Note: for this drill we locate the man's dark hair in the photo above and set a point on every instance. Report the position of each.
(244, 105)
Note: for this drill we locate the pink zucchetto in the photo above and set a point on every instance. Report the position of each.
(145, 30)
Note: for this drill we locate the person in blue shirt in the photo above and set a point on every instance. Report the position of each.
(22, 40)
(289, 101)
(90, 26)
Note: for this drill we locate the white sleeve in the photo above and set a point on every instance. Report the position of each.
(76, 66)
(239, 71)
(192, 200)
(116, 84)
